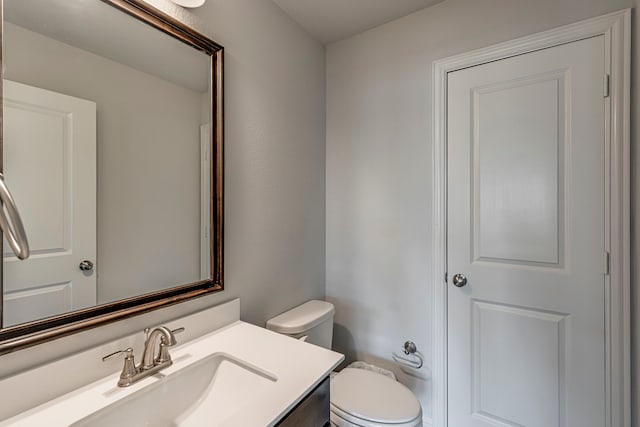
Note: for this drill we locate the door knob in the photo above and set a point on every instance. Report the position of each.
(459, 280)
(86, 265)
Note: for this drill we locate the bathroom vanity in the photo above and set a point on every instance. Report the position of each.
(237, 375)
(312, 410)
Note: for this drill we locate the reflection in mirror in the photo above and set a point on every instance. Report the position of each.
(106, 151)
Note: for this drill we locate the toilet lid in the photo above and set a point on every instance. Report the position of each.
(373, 397)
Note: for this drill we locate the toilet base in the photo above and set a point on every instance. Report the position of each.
(339, 421)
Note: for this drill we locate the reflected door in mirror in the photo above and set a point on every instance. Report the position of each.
(49, 155)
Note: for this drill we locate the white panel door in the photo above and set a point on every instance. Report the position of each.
(49, 154)
(526, 215)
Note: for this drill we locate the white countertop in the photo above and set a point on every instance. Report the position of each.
(298, 367)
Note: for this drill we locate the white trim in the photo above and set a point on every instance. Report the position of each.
(616, 29)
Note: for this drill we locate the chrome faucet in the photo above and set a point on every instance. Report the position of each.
(167, 339)
(152, 360)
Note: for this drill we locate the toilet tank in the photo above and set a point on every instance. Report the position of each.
(311, 321)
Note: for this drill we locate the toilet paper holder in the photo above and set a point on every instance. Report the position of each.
(414, 360)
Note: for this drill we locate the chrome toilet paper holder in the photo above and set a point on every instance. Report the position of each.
(414, 360)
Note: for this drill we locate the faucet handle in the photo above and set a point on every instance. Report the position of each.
(127, 353)
(129, 369)
(171, 337)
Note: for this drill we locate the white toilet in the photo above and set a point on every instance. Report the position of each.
(358, 397)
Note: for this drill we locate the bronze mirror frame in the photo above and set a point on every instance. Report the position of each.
(39, 331)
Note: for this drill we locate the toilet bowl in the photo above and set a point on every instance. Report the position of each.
(358, 397)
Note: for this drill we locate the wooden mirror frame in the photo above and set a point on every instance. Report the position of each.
(39, 331)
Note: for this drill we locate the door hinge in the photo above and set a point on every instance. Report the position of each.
(607, 85)
(607, 263)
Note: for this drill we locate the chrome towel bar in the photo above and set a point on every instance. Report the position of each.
(15, 235)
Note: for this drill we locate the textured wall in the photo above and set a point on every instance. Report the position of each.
(379, 142)
(275, 151)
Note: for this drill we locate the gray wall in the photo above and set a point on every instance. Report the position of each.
(275, 142)
(275, 151)
(379, 142)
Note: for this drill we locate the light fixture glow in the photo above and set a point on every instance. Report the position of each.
(189, 3)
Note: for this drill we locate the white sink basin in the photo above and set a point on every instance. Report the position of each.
(207, 392)
(236, 376)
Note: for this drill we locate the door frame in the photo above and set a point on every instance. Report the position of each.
(616, 29)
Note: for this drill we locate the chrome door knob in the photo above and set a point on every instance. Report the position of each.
(86, 265)
(459, 280)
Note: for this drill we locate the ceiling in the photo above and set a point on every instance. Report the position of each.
(332, 20)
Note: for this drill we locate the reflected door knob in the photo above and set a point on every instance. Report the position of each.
(459, 280)
(86, 265)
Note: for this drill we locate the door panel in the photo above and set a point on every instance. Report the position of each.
(49, 300)
(504, 389)
(53, 139)
(526, 226)
(515, 149)
(40, 139)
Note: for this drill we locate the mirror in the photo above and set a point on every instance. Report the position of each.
(112, 149)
